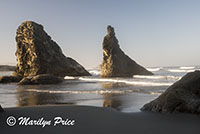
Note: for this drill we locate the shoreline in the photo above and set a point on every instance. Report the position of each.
(98, 120)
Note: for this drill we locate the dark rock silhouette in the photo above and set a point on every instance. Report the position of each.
(40, 79)
(9, 79)
(115, 62)
(37, 54)
(182, 96)
(1, 109)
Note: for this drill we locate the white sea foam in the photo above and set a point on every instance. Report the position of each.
(186, 68)
(95, 72)
(131, 82)
(156, 77)
(69, 78)
(81, 91)
(91, 91)
(154, 69)
(155, 93)
(181, 70)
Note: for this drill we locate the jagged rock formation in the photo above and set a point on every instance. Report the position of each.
(37, 54)
(183, 96)
(40, 79)
(1, 109)
(115, 62)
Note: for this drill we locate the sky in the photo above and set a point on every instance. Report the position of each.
(152, 32)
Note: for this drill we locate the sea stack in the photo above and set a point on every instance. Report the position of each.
(115, 62)
(183, 97)
(38, 54)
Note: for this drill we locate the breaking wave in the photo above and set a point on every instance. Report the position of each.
(131, 82)
(156, 77)
(95, 72)
(69, 78)
(181, 70)
(186, 68)
(154, 69)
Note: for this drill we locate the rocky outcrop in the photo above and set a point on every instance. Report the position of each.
(38, 54)
(40, 79)
(10, 79)
(183, 96)
(1, 109)
(115, 62)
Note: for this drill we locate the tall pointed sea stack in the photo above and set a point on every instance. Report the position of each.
(115, 62)
(37, 54)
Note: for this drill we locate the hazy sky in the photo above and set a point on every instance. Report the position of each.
(152, 32)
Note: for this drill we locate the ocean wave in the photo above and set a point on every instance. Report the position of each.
(69, 78)
(187, 68)
(131, 82)
(81, 91)
(95, 72)
(154, 69)
(155, 93)
(92, 91)
(181, 70)
(156, 77)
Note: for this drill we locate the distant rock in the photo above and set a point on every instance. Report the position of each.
(183, 96)
(10, 79)
(7, 68)
(40, 79)
(38, 54)
(1, 109)
(115, 62)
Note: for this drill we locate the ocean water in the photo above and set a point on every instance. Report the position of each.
(123, 94)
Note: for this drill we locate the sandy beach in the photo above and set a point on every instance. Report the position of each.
(98, 120)
(99, 67)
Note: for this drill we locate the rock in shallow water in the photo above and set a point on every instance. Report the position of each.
(37, 54)
(115, 62)
(40, 79)
(10, 79)
(183, 96)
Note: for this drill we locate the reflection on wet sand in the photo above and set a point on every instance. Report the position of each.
(25, 97)
(111, 99)
(34, 98)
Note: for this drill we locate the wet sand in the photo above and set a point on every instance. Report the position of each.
(96, 120)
